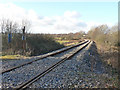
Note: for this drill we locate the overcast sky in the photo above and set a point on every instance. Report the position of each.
(60, 17)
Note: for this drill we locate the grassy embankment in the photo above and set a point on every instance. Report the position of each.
(36, 44)
(109, 56)
(107, 44)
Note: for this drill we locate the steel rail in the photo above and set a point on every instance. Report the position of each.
(43, 56)
(32, 80)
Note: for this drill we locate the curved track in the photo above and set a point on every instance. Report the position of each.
(43, 56)
(38, 76)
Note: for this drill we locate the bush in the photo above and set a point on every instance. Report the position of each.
(36, 44)
(103, 35)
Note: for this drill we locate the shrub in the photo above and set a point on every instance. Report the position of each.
(35, 44)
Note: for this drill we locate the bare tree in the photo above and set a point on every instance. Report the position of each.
(3, 25)
(9, 26)
(15, 28)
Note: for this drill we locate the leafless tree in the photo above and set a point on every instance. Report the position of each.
(9, 26)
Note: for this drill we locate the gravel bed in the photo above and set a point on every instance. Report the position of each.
(65, 52)
(22, 74)
(77, 72)
(11, 63)
(26, 72)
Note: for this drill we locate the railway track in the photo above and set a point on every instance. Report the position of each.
(32, 80)
(24, 85)
(43, 56)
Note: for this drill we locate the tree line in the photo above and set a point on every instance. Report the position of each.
(104, 35)
(35, 44)
(42, 43)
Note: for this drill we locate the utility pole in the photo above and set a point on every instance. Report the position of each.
(24, 40)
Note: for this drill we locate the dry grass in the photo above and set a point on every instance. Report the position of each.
(9, 57)
(68, 42)
(109, 54)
